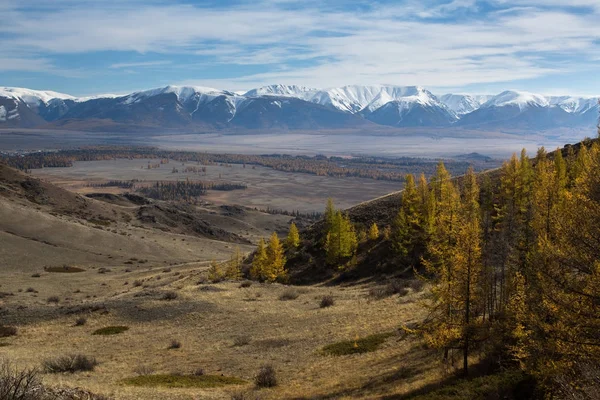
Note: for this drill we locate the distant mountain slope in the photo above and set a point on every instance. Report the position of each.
(293, 107)
(520, 110)
(291, 113)
(402, 113)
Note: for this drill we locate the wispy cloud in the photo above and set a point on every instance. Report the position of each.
(140, 64)
(435, 43)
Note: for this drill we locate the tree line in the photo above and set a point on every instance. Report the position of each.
(514, 265)
(362, 167)
(185, 190)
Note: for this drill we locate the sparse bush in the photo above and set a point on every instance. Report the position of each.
(80, 321)
(244, 396)
(246, 284)
(289, 294)
(30, 290)
(242, 340)
(36, 275)
(70, 363)
(166, 270)
(209, 288)
(137, 283)
(266, 377)
(103, 270)
(198, 372)
(53, 299)
(6, 331)
(175, 344)
(327, 301)
(16, 384)
(417, 285)
(169, 295)
(110, 330)
(392, 288)
(142, 370)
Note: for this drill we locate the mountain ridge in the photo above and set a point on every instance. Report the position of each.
(295, 107)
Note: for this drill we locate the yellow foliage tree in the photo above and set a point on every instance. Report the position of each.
(259, 263)
(215, 272)
(234, 266)
(373, 232)
(293, 237)
(275, 267)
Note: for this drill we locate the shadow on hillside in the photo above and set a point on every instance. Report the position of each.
(405, 368)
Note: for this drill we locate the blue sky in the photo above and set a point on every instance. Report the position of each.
(85, 47)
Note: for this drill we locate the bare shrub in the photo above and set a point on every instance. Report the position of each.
(244, 396)
(417, 285)
(143, 370)
(327, 301)
(6, 331)
(30, 290)
(392, 288)
(17, 384)
(198, 372)
(246, 284)
(266, 377)
(241, 340)
(53, 299)
(289, 294)
(80, 321)
(137, 283)
(169, 295)
(70, 363)
(175, 344)
(36, 275)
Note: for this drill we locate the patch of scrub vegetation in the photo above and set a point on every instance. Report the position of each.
(183, 381)
(68, 269)
(101, 222)
(70, 363)
(6, 331)
(509, 385)
(110, 330)
(357, 346)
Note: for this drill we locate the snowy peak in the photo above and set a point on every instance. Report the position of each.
(523, 100)
(280, 90)
(577, 105)
(33, 98)
(462, 104)
(183, 93)
(356, 98)
(405, 96)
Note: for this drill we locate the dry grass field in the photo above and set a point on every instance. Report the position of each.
(266, 187)
(209, 320)
(70, 265)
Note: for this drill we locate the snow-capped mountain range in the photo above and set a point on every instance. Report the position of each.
(294, 107)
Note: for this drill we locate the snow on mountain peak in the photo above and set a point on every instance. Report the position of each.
(463, 104)
(574, 104)
(33, 98)
(520, 99)
(280, 90)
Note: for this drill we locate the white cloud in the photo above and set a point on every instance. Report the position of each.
(399, 44)
(140, 64)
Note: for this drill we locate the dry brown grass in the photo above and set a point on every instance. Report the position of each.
(287, 334)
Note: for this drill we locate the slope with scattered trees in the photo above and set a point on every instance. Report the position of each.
(512, 258)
